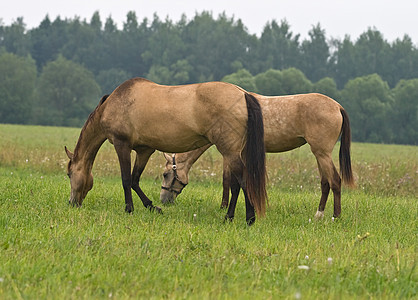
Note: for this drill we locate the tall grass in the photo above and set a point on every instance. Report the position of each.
(379, 169)
(49, 250)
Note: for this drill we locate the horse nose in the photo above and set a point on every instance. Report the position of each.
(166, 197)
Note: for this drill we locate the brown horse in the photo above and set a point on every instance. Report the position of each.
(143, 116)
(290, 122)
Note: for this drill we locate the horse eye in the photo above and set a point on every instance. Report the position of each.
(165, 175)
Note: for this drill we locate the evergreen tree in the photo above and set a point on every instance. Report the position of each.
(47, 40)
(132, 43)
(402, 61)
(14, 39)
(111, 79)
(343, 62)
(278, 48)
(315, 52)
(17, 83)
(205, 49)
(405, 112)
(371, 51)
(212, 45)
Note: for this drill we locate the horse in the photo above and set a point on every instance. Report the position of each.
(289, 122)
(144, 116)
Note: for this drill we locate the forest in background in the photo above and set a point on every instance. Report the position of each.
(55, 74)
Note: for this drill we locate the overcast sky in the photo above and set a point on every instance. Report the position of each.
(338, 17)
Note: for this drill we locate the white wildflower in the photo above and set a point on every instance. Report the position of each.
(329, 260)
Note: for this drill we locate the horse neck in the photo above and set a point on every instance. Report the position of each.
(90, 140)
(189, 158)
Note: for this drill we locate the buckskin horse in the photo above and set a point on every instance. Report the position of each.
(289, 122)
(144, 116)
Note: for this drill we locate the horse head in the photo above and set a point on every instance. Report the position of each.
(81, 180)
(175, 178)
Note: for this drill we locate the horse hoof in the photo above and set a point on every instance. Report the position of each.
(129, 210)
(228, 218)
(74, 203)
(250, 221)
(156, 209)
(319, 215)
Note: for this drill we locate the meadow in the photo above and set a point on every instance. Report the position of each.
(49, 250)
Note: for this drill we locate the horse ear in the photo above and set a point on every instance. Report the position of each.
(69, 154)
(168, 157)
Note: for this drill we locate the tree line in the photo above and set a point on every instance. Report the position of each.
(54, 74)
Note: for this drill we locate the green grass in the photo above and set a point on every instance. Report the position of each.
(49, 250)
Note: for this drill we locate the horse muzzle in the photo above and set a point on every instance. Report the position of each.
(167, 196)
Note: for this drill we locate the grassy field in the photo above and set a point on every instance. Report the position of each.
(49, 250)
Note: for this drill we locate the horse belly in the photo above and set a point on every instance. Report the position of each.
(173, 142)
(168, 136)
(283, 132)
(284, 144)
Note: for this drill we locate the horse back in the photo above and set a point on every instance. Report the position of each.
(182, 116)
(291, 121)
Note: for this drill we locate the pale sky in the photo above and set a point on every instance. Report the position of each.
(338, 17)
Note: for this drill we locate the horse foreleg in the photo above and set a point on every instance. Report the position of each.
(124, 156)
(142, 157)
(226, 185)
(234, 197)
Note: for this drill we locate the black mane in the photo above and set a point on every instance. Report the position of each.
(103, 99)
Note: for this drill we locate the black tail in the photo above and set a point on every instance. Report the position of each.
(255, 156)
(345, 158)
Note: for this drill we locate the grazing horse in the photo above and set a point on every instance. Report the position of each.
(144, 116)
(289, 122)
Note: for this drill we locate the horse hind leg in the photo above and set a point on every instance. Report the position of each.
(142, 157)
(235, 187)
(237, 170)
(330, 179)
(336, 190)
(226, 185)
(324, 197)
